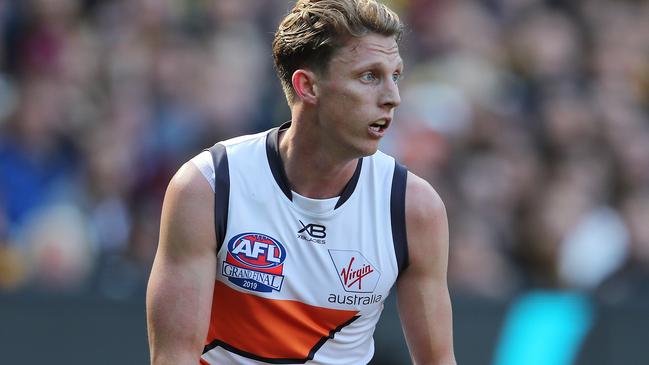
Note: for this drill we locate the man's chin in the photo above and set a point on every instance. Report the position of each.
(361, 148)
(369, 149)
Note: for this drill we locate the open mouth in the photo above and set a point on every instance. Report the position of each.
(379, 126)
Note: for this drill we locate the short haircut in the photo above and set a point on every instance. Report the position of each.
(314, 29)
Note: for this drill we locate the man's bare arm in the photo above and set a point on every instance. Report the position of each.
(424, 302)
(179, 294)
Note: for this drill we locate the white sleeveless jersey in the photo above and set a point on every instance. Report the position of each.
(299, 281)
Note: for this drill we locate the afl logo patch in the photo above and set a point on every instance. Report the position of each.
(255, 261)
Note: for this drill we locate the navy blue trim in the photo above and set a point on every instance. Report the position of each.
(398, 215)
(310, 355)
(221, 192)
(275, 161)
(351, 185)
(277, 168)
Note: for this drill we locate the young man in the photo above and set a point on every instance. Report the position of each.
(281, 247)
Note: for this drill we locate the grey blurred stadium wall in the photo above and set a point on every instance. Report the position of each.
(73, 330)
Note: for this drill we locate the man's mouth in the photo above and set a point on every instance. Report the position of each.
(379, 126)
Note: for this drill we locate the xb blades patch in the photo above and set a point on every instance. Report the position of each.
(255, 261)
(312, 232)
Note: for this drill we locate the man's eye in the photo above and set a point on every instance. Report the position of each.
(368, 77)
(396, 77)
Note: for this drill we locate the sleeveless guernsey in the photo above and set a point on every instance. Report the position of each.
(299, 280)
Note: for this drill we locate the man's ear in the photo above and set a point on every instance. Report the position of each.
(304, 84)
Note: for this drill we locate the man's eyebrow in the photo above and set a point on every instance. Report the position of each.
(378, 65)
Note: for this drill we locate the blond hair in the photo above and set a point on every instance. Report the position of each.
(314, 29)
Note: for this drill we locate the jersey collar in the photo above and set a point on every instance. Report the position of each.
(277, 167)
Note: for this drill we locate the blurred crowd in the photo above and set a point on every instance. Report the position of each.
(529, 117)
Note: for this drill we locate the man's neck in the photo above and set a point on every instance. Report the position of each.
(312, 168)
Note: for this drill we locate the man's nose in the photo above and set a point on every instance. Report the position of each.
(390, 97)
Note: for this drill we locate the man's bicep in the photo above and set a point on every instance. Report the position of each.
(424, 303)
(425, 312)
(179, 294)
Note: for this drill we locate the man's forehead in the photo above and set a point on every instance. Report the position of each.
(369, 46)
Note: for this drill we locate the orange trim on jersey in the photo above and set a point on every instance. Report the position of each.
(263, 329)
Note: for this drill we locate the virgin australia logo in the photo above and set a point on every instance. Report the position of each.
(355, 272)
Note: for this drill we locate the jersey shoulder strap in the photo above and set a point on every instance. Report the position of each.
(221, 191)
(398, 215)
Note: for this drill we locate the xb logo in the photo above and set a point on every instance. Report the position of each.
(313, 230)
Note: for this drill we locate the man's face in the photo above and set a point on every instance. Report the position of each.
(358, 93)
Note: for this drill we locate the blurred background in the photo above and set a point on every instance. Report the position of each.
(529, 117)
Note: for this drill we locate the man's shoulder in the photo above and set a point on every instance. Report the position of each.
(189, 182)
(427, 227)
(423, 203)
